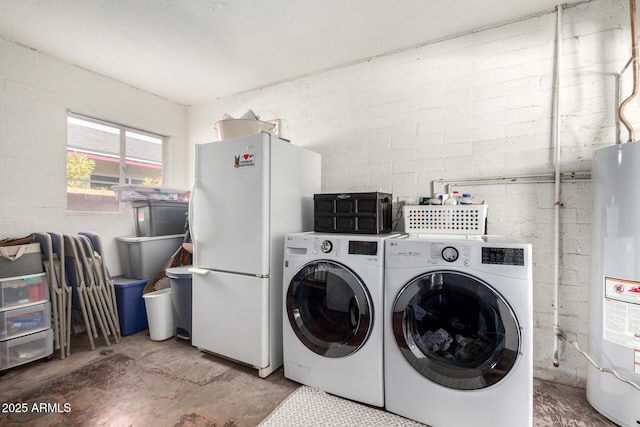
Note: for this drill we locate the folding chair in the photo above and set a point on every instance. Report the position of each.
(102, 299)
(56, 297)
(91, 292)
(65, 289)
(108, 284)
(75, 275)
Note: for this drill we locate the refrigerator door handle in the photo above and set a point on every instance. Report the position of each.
(199, 271)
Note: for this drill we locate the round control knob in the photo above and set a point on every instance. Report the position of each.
(326, 246)
(450, 254)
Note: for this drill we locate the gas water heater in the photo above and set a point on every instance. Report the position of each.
(614, 305)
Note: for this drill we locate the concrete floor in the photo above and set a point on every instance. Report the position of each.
(139, 382)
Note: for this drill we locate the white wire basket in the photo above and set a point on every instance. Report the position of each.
(438, 219)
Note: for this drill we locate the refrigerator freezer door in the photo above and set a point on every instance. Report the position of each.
(230, 205)
(231, 316)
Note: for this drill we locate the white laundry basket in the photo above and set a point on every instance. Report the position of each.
(435, 219)
(159, 314)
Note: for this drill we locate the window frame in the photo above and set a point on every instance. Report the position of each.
(122, 167)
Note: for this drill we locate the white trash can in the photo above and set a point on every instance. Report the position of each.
(159, 314)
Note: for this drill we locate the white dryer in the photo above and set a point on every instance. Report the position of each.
(333, 319)
(459, 331)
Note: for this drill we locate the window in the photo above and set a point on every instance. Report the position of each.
(102, 154)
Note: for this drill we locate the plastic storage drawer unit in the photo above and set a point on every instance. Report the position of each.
(15, 291)
(159, 217)
(25, 320)
(360, 213)
(25, 349)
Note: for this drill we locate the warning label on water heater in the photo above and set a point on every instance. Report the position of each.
(622, 312)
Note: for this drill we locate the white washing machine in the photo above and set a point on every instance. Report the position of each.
(333, 319)
(459, 331)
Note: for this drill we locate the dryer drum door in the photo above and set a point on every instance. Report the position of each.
(456, 330)
(329, 309)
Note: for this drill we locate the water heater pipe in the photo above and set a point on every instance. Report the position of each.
(634, 59)
(542, 178)
(557, 204)
(559, 334)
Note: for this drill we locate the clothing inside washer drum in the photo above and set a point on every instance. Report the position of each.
(456, 330)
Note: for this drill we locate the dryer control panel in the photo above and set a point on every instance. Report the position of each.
(354, 247)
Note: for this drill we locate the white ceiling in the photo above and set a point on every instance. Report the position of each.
(193, 51)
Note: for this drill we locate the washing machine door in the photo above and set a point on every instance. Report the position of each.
(456, 330)
(329, 308)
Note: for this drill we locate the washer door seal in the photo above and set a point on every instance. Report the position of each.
(456, 330)
(329, 308)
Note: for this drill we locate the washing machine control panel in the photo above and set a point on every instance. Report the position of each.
(495, 254)
(450, 254)
(503, 256)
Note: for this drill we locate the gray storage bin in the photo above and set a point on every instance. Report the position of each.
(143, 257)
(159, 217)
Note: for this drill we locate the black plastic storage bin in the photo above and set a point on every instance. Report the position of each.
(159, 217)
(360, 213)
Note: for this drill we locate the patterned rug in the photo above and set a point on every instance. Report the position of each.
(311, 407)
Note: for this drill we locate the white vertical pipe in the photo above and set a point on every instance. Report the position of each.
(556, 240)
(634, 59)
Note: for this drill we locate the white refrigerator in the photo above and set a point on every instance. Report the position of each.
(248, 193)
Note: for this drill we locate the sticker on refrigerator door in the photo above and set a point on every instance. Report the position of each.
(244, 160)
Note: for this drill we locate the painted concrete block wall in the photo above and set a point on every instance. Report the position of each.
(478, 105)
(35, 93)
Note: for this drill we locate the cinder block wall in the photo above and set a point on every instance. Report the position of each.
(36, 91)
(477, 105)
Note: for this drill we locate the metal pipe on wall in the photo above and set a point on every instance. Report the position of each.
(556, 178)
(557, 203)
(540, 178)
(634, 60)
